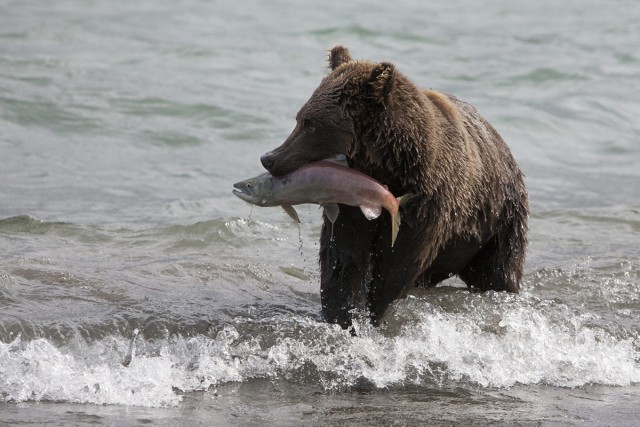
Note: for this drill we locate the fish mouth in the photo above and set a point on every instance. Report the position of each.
(239, 191)
(244, 196)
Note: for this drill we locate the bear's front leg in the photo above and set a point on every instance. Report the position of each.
(344, 262)
(395, 270)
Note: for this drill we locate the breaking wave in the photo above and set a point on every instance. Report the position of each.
(455, 338)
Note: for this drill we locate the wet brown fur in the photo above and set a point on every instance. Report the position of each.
(470, 210)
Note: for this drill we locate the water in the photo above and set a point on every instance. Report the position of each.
(135, 288)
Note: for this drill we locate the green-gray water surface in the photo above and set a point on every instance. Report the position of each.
(131, 277)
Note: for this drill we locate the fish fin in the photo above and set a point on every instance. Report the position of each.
(371, 212)
(291, 212)
(331, 211)
(340, 159)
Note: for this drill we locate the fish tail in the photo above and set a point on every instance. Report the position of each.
(395, 217)
(405, 198)
(395, 226)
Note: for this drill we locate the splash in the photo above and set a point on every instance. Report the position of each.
(522, 341)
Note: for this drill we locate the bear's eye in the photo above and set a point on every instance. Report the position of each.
(308, 125)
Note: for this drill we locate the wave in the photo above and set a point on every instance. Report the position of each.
(29, 224)
(232, 231)
(520, 340)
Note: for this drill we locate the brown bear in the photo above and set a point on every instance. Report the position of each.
(469, 210)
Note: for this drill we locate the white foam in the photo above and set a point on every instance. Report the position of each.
(40, 371)
(526, 349)
(443, 347)
(521, 344)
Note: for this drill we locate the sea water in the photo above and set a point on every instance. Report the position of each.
(135, 288)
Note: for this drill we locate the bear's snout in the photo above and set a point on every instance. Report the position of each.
(278, 164)
(268, 161)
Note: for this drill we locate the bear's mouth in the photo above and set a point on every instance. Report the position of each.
(340, 159)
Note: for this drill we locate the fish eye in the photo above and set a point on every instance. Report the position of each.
(248, 185)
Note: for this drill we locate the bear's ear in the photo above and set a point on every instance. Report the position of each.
(382, 79)
(337, 56)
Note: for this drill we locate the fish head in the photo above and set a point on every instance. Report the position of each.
(256, 190)
(322, 131)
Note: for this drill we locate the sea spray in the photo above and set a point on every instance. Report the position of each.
(433, 347)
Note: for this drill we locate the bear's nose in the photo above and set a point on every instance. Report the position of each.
(267, 161)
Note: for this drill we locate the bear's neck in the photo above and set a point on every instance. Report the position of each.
(403, 143)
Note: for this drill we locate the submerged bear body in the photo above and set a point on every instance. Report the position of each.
(469, 207)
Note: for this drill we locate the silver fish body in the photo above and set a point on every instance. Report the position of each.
(324, 183)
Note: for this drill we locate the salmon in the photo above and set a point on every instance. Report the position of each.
(325, 183)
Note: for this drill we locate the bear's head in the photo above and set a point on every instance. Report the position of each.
(327, 124)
